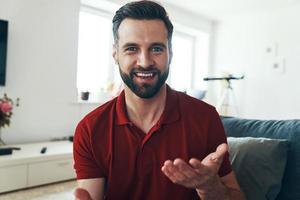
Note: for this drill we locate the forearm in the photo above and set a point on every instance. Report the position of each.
(220, 191)
(94, 187)
(234, 194)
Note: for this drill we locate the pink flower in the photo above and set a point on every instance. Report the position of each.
(5, 107)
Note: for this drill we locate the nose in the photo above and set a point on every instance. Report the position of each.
(145, 59)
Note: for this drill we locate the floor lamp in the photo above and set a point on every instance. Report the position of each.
(224, 103)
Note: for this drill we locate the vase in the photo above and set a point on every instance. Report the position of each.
(85, 96)
(1, 141)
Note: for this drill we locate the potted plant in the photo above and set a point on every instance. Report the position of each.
(6, 107)
(85, 95)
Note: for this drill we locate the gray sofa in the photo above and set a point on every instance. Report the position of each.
(286, 130)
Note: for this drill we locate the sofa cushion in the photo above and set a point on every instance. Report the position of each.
(277, 129)
(259, 165)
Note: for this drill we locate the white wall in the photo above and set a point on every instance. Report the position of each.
(181, 16)
(189, 22)
(41, 68)
(241, 43)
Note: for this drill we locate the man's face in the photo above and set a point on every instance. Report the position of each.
(143, 55)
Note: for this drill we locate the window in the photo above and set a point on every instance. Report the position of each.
(190, 59)
(96, 69)
(180, 77)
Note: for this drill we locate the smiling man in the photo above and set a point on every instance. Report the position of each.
(151, 142)
(143, 56)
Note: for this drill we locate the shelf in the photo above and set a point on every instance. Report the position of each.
(29, 167)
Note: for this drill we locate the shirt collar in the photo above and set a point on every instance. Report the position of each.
(170, 114)
(121, 110)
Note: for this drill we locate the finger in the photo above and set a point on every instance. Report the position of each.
(166, 169)
(82, 194)
(169, 171)
(170, 175)
(181, 173)
(191, 171)
(222, 149)
(216, 158)
(201, 169)
(185, 168)
(179, 167)
(174, 172)
(198, 166)
(207, 173)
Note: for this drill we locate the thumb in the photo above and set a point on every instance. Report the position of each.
(82, 194)
(222, 149)
(216, 158)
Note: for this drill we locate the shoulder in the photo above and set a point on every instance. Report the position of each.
(193, 105)
(101, 115)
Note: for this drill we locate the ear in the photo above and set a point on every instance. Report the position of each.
(170, 56)
(115, 53)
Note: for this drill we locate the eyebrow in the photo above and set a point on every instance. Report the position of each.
(129, 44)
(159, 44)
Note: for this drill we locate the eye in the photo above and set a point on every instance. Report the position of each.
(157, 49)
(131, 49)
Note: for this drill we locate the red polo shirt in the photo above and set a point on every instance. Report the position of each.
(108, 145)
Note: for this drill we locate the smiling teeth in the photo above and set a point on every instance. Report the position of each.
(144, 74)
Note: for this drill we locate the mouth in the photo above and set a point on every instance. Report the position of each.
(144, 75)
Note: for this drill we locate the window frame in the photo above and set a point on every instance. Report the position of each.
(101, 94)
(179, 29)
(185, 34)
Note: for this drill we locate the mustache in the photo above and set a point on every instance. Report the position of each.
(141, 69)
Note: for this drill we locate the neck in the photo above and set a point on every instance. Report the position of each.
(145, 113)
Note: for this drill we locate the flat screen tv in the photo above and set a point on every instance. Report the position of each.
(3, 49)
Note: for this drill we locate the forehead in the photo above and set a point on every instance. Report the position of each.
(142, 31)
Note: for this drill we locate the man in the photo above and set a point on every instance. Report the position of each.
(151, 142)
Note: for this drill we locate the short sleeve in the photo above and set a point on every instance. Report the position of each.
(85, 164)
(217, 136)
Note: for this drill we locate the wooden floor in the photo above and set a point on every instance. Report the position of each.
(58, 191)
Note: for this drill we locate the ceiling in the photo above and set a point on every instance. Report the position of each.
(216, 9)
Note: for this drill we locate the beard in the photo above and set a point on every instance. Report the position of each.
(144, 90)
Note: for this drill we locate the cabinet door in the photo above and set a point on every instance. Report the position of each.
(13, 177)
(50, 171)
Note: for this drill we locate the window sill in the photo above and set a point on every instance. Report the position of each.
(89, 102)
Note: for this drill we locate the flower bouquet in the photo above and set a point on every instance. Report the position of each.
(6, 107)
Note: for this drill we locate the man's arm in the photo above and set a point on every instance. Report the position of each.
(226, 188)
(90, 189)
(203, 176)
(233, 187)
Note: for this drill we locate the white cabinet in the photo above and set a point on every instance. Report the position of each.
(29, 167)
(13, 177)
(50, 171)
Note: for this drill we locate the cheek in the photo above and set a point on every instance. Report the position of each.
(127, 62)
(162, 61)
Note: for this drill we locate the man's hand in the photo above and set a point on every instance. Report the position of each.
(201, 175)
(82, 194)
(89, 189)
